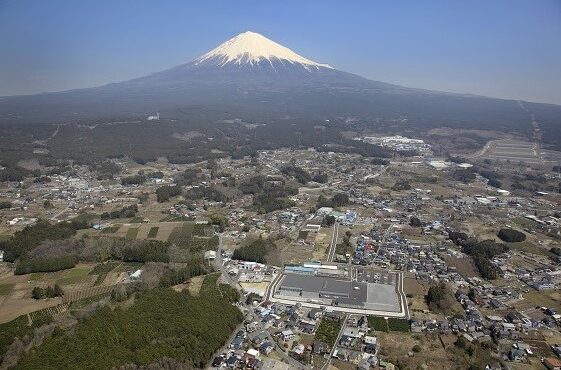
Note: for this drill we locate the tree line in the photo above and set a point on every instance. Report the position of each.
(125, 212)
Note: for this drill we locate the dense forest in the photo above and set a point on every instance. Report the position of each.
(145, 141)
(481, 252)
(299, 174)
(268, 195)
(138, 179)
(194, 266)
(255, 251)
(20, 328)
(125, 212)
(160, 323)
(31, 236)
(338, 200)
(164, 193)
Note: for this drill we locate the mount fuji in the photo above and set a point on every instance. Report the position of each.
(250, 75)
(255, 50)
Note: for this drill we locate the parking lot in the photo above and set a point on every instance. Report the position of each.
(373, 276)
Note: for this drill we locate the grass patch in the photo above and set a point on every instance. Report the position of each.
(132, 233)
(36, 276)
(378, 324)
(73, 276)
(401, 325)
(111, 229)
(102, 270)
(5, 289)
(328, 331)
(4, 237)
(136, 220)
(153, 232)
(128, 266)
(529, 247)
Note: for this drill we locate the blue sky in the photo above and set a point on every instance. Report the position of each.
(500, 48)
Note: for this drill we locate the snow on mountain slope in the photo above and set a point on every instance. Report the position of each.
(252, 48)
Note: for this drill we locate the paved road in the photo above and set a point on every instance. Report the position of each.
(333, 244)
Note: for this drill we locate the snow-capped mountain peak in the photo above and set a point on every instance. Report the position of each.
(253, 48)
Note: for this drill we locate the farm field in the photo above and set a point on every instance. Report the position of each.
(5, 289)
(75, 275)
(82, 281)
(514, 151)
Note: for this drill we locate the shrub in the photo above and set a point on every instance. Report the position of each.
(401, 185)
(48, 292)
(322, 178)
(415, 221)
(511, 235)
(328, 220)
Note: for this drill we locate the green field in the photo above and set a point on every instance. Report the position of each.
(392, 324)
(398, 325)
(74, 275)
(132, 233)
(5, 289)
(378, 323)
(111, 229)
(327, 331)
(529, 247)
(194, 237)
(153, 232)
(102, 270)
(36, 276)
(128, 266)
